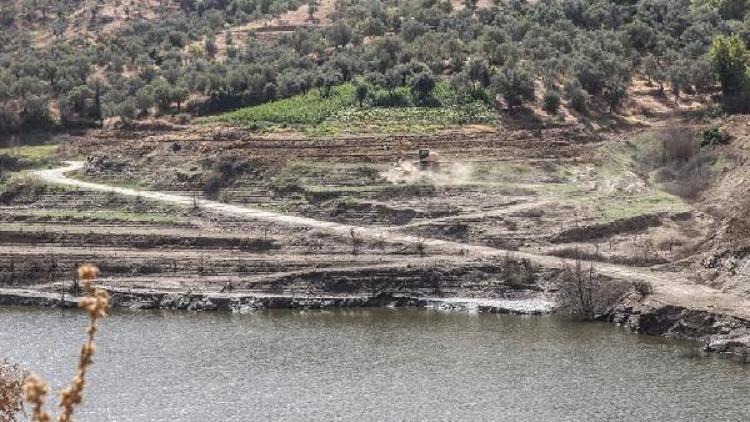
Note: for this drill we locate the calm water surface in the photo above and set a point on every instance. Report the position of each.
(383, 364)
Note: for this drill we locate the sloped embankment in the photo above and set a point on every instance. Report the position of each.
(715, 332)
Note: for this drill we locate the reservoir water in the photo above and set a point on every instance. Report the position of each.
(374, 364)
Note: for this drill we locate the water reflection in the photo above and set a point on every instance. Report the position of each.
(374, 364)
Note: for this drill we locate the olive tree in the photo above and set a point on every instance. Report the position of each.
(515, 84)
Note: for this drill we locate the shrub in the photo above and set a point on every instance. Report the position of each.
(228, 167)
(736, 101)
(213, 185)
(286, 183)
(551, 101)
(678, 145)
(390, 99)
(518, 273)
(9, 163)
(515, 84)
(714, 136)
(361, 91)
(729, 56)
(664, 148)
(576, 96)
(223, 172)
(643, 288)
(615, 95)
(422, 85)
(584, 295)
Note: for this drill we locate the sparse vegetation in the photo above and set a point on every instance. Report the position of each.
(24, 188)
(584, 294)
(222, 172)
(714, 136)
(103, 216)
(675, 159)
(314, 180)
(25, 157)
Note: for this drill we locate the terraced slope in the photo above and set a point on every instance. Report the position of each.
(670, 287)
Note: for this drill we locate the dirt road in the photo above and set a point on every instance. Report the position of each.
(670, 288)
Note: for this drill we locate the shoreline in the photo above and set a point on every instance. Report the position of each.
(713, 332)
(250, 301)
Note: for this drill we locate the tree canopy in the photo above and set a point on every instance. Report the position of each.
(188, 60)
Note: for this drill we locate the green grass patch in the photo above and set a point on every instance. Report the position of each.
(305, 109)
(14, 161)
(403, 119)
(338, 113)
(651, 203)
(31, 152)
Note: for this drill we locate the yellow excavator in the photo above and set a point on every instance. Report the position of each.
(428, 160)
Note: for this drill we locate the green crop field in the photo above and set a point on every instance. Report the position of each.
(339, 113)
(305, 109)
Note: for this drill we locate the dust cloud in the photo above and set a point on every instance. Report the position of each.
(444, 173)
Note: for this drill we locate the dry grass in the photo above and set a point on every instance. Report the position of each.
(578, 254)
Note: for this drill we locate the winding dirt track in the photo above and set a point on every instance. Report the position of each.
(669, 288)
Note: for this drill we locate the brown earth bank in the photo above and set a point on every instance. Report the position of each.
(218, 218)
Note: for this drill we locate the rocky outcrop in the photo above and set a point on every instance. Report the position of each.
(20, 297)
(715, 333)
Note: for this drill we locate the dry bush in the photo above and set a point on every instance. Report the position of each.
(675, 159)
(643, 288)
(666, 242)
(640, 254)
(356, 240)
(12, 378)
(691, 177)
(24, 189)
(578, 253)
(678, 145)
(584, 295)
(517, 273)
(95, 303)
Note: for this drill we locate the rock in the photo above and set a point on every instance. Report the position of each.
(718, 333)
(201, 304)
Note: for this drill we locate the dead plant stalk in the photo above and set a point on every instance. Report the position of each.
(95, 303)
